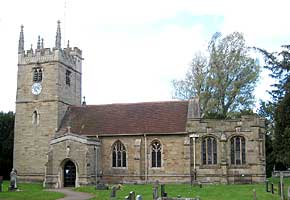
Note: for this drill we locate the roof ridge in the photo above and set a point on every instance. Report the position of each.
(134, 103)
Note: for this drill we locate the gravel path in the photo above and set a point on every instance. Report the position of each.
(72, 195)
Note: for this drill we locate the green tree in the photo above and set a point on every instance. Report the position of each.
(224, 80)
(6, 143)
(267, 111)
(195, 82)
(281, 145)
(279, 107)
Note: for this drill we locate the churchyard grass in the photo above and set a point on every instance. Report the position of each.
(207, 192)
(28, 191)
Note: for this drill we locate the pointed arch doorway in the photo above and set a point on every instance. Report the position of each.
(69, 174)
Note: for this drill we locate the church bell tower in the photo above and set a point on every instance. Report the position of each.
(48, 81)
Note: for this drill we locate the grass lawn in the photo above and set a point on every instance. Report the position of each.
(28, 191)
(207, 192)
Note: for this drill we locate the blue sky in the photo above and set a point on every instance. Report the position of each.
(133, 49)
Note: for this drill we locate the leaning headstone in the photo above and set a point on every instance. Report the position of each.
(155, 190)
(288, 193)
(163, 193)
(113, 192)
(13, 180)
(1, 181)
(254, 194)
(132, 195)
(267, 185)
(139, 197)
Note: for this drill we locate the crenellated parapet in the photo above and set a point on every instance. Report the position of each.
(71, 57)
(245, 124)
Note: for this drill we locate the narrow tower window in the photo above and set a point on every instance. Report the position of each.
(37, 74)
(35, 118)
(67, 77)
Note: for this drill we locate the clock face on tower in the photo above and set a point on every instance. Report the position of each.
(36, 88)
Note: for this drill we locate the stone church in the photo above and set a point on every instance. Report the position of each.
(62, 142)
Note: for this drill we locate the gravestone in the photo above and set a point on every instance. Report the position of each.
(200, 185)
(267, 185)
(101, 186)
(113, 192)
(163, 193)
(155, 190)
(254, 194)
(139, 197)
(132, 195)
(1, 181)
(282, 185)
(127, 198)
(13, 180)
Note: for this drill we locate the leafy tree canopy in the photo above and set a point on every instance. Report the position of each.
(277, 110)
(224, 79)
(6, 143)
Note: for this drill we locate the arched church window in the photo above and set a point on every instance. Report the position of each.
(156, 154)
(238, 150)
(35, 118)
(119, 155)
(209, 151)
(37, 74)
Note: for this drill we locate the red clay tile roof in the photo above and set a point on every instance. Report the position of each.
(151, 117)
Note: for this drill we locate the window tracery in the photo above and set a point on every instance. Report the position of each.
(156, 154)
(209, 151)
(119, 155)
(238, 150)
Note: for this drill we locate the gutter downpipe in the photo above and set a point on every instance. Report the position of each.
(146, 165)
(96, 163)
(194, 136)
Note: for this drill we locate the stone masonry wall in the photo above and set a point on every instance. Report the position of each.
(174, 166)
(81, 154)
(177, 154)
(32, 139)
(252, 129)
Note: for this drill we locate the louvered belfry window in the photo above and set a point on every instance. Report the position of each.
(37, 74)
(67, 77)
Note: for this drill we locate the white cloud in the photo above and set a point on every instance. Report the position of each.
(127, 59)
